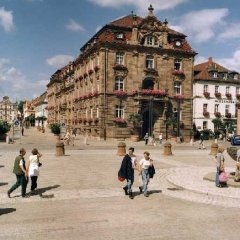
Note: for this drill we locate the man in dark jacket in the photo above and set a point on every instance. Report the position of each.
(21, 174)
(127, 171)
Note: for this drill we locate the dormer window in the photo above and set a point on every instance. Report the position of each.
(235, 77)
(225, 76)
(215, 75)
(150, 41)
(119, 36)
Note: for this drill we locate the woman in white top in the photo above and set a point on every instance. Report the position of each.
(33, 168)
(144, 164)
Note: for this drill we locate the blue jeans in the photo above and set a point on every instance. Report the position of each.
(145, 178)
(129, 185)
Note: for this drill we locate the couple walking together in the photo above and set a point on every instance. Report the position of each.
(23, 170)
(129, 163)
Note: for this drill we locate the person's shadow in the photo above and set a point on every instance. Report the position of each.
(41, 191)
(6, 210)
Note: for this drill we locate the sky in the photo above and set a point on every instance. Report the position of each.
(37, 37)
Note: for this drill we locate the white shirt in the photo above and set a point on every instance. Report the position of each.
(144, 163)
(134, 161)
(33, 166)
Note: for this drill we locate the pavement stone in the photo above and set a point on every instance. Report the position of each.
(82, 199)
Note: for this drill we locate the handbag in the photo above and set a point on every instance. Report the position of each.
(121, 179)
(223, 177)
(151, 171)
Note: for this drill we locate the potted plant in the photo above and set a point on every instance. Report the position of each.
(136, 120)
(55, 128)
(4, 128)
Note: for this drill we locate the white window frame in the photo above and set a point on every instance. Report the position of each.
(177, 64)
(149, 62)
(216, 89)
(205, 107)
(215, 75)
(120, 58)
(227, 108)
(205, 125)
(237, 90)
(177, 88)
(205, 88)
(119, 83)
(216, 108)
(119, 111)
(227, 89)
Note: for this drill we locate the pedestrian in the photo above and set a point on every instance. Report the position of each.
(127, 171)
(160, 138)
(32, 167)
(22, 129)
(74, 132)
(144, 165)
(146, 137)
(220, 165)
(200, 143)
(21, 174)
(237, 172)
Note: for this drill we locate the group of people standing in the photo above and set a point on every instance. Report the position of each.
(147, 137)
(126, 171)
(25, 170)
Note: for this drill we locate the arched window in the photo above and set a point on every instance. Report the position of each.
(119, 83)
(148, 84)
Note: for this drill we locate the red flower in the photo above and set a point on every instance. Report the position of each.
(120, 93)
(179, 96)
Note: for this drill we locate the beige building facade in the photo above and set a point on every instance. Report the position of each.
(133, 65)
(8, 110)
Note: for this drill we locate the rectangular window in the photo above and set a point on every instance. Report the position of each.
(215, 75)
(205, 126)
(177, 64)
(177, 88)
(225, 76)
(235, 77)
(150, 40)
(216, 107)
(149, 62)
(119, 111)
(205, 107)
(119, 58)
(205, 88)
(119, 83)
(227, 109)
(227, 89)
(237, 90)
(216, 89)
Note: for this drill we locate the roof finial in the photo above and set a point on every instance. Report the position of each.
(150, 10)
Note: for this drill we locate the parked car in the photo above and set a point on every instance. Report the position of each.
(235, 140)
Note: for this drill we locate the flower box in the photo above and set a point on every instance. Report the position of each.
(178, 73)
(120, 122)
(89, 120)
(228, 95)
(238, 96)
(80, 78)
(179, 96)
(217, 94)
(90, 72)
(85, 75)
(206, 114)
(217, 114)
(120, 67)
(96, 68)
(80, 120)
(206, 94)
(228, 115)
(120, 93)
(96, 120)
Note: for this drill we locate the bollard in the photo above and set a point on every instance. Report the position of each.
(167, 148)
(60, 151)
(121, 149)
(214, 149)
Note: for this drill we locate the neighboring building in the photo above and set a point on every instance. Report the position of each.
(41, 112)
(215, 91)
(8, 110)
(132, 65)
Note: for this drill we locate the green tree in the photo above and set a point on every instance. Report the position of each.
(20, 106)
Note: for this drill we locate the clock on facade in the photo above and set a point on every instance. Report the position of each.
(178, 43)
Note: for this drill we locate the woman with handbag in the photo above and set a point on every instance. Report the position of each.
(144, 165)
(220, 166)
(33, 165)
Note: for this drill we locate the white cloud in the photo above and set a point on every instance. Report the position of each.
(140, 5)
(13, 83)
(74, 26)
(202, 25)
(6, 20)
(232, 63)
(232, 31)
(59, 60)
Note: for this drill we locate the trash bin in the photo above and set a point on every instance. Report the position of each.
(121, 149)
(60, 150)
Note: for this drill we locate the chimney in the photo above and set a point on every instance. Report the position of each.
(210, 61)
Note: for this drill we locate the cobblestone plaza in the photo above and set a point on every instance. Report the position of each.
(81, 198)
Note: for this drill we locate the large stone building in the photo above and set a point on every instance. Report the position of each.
(8, 110)
(132, 65)
(216, 91)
